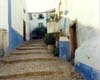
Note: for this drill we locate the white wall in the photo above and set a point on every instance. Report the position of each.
(18, 16)
(87, 14)
(4, 35)
(88, 30)
(4, 14)
(89, 53)
(34, 22)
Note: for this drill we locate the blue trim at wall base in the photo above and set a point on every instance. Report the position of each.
(14, 39)
(64, 50)
(87, 72)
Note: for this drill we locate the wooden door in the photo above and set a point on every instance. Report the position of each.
(73, 40)
(24, 31)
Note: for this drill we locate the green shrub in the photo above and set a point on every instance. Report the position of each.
(56, 52)
(49, 39)
(39, 32)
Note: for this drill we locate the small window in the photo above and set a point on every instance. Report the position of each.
(40, 16)
(34, 15)
(30, 17)
(40, 24)
(24, 10)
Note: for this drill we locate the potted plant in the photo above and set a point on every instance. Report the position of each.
(50, 41)
(56, 51)
(39, 32)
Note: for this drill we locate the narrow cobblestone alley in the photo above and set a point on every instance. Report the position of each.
(32, 61)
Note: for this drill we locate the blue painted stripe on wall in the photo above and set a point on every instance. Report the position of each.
(64, 50)
(14, 37)
(89, 73)
(9, 13)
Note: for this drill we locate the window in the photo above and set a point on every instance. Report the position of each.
(40, 16)
(34, 15)
(30, 17)
(24, 10)
(40, 24)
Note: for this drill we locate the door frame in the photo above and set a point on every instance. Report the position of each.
(73, 39)
(24, 30)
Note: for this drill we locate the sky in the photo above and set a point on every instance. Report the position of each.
(40, 5)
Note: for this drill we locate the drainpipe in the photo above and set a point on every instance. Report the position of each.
(65, 13)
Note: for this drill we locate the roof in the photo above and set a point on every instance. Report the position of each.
(48, 11)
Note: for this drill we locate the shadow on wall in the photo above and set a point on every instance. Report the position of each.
(85, 32)
(15, 39)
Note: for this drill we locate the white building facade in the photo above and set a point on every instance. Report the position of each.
(13, 19)
(52, 24)
(86, 16)
(37, 19)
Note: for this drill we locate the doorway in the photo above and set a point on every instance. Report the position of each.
(73, 39)
(24, 31)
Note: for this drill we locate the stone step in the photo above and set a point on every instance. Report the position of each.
(58, 76)
(31, 42)
(47, 77)
(26, 58)
(76, 75)
(54, 76)
(21, 52)
(27, 53)
(34, 45)
(38, 68)
(30, 48)
(34, 41)
(32, 61)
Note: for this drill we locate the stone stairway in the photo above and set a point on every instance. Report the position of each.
(32, 61)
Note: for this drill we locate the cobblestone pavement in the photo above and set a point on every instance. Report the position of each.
(32, 61)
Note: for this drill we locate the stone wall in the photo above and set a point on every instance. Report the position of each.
(3, 41)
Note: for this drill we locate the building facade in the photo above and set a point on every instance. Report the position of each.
(52, 24)
(13, 23)
(81, 19)
(37, 19)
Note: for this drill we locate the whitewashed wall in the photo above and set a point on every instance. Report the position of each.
(87, 55)
(34, 22)
(4, 35)
(7, 36)
(4, 14)
(18, 16)
(26, 19)
(86, 12)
